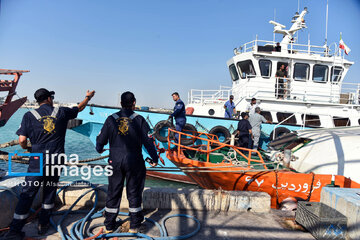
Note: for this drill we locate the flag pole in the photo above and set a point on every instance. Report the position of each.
(339, 46)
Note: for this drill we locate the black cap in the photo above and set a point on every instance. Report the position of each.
(42, 94)
(243, 114)
(127, 99)
(253, 99)
(231, 96)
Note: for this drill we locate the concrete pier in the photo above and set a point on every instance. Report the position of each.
(347, 202)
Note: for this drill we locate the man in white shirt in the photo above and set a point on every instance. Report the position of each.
(251, 106)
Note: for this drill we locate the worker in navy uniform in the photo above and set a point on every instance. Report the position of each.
(178, 114)
(126, 132)
(244, 131)
(45, 127)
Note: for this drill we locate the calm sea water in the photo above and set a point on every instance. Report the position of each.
(75, 143)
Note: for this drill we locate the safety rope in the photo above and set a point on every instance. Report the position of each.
(149, 121)
(231, 128)
(277, 191)
(311, 187)
(200, 125)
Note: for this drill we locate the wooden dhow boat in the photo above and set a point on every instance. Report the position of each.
(7, 106)
(216, 165)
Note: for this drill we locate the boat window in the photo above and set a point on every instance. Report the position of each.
(301, 71)
(311, 120)
(341, 122)
(265, 68)
(320, 73)
(233, 72)
(246, 69)
(211, 112)
(267, 115)
(281, 116)
(336, 74)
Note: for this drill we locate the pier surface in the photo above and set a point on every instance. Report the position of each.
(222, 214)
(214, 225)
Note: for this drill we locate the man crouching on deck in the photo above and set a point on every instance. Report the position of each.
(46, 128)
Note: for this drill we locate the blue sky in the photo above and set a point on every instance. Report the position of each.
(152, 48)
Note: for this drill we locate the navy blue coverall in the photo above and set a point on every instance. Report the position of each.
(126, 132)
(46, 128)
(180, 117)
(244, 135)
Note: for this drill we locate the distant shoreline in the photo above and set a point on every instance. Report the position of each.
(33, 106)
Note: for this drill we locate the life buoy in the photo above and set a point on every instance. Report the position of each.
(222, 133)
(188, 129)
(189, 110)
(278, 132)
(161, 130)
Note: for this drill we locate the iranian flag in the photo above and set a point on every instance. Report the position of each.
(343, 46)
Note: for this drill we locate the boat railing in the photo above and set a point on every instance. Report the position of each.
(210, 144)
(209, 96)
(279, 123)
(289, 89)
(291, 48)
(294, 89)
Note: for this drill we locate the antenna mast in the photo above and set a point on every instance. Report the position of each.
(274, 21)
(297, 33)
(327, 15)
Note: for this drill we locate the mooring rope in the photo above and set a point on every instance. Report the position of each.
(13, 143)
(25, 160)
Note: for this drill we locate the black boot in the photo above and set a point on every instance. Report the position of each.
(43, 228)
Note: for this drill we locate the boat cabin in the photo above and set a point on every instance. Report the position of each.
(310, 90)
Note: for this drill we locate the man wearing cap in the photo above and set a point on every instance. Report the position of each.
(45, 127)
(244, 131)
(251, 106)
(255, 121)
(126, 132)
(179, 114)
(230, 107)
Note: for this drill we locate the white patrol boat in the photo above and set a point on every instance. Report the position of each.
(313, 93)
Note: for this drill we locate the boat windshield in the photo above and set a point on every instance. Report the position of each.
(246, 69)
(320, 73)
(336, 74)
(233, 72)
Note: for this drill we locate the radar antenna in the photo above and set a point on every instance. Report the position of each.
(298, 24)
